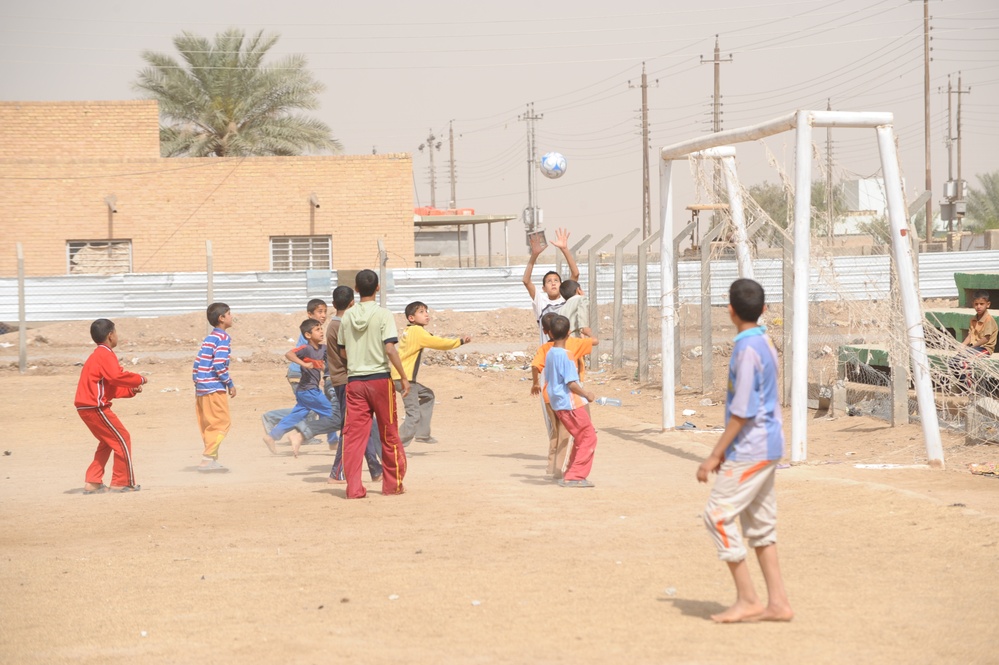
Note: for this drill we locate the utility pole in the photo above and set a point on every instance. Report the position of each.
(646, 195)
(961, 187)
(716, 105)
(953, 206)
(431, 145)
(450, 140)
(926, 112)
(829, 177)
(716, 123)
(531, 221)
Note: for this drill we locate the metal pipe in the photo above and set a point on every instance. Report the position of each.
(667, 297)
(802, 247)
(738, 217)
(911, 310)
(776, 126)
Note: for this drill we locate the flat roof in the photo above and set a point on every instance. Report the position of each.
(453, 220)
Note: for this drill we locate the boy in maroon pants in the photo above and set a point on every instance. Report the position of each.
(101, 380)
(568, 400)
(367, 339)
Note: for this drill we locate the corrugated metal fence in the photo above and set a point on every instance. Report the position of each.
(76, 297)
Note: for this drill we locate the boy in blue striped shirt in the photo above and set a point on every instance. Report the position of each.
(745, 459)
(213, 386)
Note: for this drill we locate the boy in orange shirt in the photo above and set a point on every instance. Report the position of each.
(558, 437)
(101, 380)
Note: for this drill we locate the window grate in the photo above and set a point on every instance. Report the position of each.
(301, 253)
(98, 257)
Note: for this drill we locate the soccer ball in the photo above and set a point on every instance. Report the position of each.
(553, 165)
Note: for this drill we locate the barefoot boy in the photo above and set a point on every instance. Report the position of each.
(212, 384)
(309, 397)
(101, 380)
(745, 459)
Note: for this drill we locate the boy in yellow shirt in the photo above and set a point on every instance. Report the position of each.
(419, 402)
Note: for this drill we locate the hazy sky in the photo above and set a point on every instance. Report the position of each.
(395, 71)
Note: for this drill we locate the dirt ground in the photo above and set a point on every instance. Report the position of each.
(481, 560)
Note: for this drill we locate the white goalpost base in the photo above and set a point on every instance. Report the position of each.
(718, 145)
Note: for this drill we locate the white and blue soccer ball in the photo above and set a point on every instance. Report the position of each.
(553, 165)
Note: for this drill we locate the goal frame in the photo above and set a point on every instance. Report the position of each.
(801, 122)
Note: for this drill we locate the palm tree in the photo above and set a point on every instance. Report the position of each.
(983, 206)
(225, 102)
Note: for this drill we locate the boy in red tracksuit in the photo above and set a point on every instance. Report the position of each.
(101, 380)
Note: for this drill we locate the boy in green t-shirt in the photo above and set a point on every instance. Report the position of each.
(367, 339)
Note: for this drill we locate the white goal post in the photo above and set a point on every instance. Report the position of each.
(720, 145)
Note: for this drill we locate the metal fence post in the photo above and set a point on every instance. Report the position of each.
(617, 353)
(591, 268)
(687, 230)
(382, 260)
(707, 373)
(643, 307)
(210, 277)
(22, 324)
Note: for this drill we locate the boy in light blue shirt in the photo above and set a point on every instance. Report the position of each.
(745, 459)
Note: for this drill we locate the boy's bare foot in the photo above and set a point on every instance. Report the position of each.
(335, 481)
(296, 439)
(269, 440)
(740, 611)
(777, 613)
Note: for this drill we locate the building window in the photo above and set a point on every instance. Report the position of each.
(98, 257)
(301, 253)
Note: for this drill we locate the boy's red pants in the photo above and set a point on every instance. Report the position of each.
(364, 398)
(111, 437)
(580, 427)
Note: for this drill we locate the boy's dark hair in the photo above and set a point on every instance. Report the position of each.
(551, 272)
(568, 288)
(315, 304)
(559, 327)
(100, 329)
(546, 321)
(366, 283)
(342, 297)
(216, 311)
(307, 325)
(981, 295)
(747, 299)
(414, 307)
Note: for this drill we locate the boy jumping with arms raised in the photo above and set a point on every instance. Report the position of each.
(745, 459)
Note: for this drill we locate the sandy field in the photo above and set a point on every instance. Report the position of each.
(481, 560)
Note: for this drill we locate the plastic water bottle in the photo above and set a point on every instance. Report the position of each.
(608, 401)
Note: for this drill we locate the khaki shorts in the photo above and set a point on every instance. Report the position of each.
(743, 490)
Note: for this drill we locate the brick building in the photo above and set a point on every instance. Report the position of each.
(83, 188)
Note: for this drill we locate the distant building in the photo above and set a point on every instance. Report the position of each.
(84, 190)
(865, 202)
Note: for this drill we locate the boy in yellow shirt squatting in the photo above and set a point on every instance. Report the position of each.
(419, 402)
